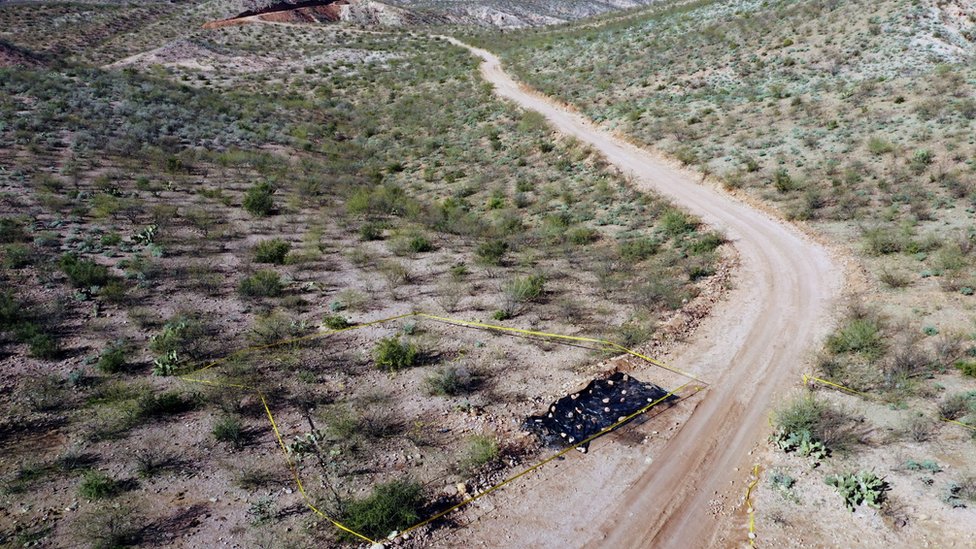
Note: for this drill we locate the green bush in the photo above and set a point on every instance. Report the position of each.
(11, 230)
(258, 200)
(967, 368)
(419, 244)
(95, 485)
(83, 273)
(371, 231)
(705, 243)
(879, 146)
(675, 223)
(583, 235)
(392, 355)
(523, 289)
(271, 251)
(169, 403)
(266, 283)
(17, 256)
(40, 343)
(638, 249)
(802, 414)
(229, 429)
(336, 322)
(858, 335)
(861, 487)
(392, 506)
(491, 252)
(114, 358)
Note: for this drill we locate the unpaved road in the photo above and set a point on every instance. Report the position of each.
(750, 350)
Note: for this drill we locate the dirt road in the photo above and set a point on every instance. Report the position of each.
(750, 350)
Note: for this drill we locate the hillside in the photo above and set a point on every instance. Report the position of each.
(172, 195)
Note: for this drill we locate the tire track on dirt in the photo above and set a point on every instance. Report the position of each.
(750, 349)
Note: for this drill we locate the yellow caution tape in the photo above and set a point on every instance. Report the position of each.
(192, 378)
(749, 507)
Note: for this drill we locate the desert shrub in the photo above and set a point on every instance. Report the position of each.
(885, 240)
(95, 485)
(111, 527)
(17, 256)
(419, 243)
(258, 200)
(83, 273)
(523, 289)
(271, 251)
(114, 358)
(921, 159)
(816, 421)
(169, 403)
(371, 231)
(798, 416)
(393, 355)
(449, 381)
(861, 335)
(264, 283)
(274, 328)
(676, 223)
(705, 243)
(491, 252)
(336, 322)
(918, 429)
(152, 459)
(783, 182)
(228, 429)
(12, 230)
(967, 367)
(638, 249)
(957, 405)
(894, 279)
(583, 235)
(879, 146)
(40, 342)
(861, 487)
(663, 291)
(392, 506)
(480, 451)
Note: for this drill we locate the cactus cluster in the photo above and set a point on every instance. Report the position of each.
(861, 487)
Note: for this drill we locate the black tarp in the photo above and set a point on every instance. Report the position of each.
(599, 405)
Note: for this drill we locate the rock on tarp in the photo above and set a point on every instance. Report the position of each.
(599, 405)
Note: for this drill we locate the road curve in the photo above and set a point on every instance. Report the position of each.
(785, 291)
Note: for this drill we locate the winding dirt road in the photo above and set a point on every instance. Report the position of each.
(750, 350)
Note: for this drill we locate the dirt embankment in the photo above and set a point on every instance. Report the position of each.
(309, 11)
(12, 56)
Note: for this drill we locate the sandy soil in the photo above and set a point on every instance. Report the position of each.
(751, 348)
